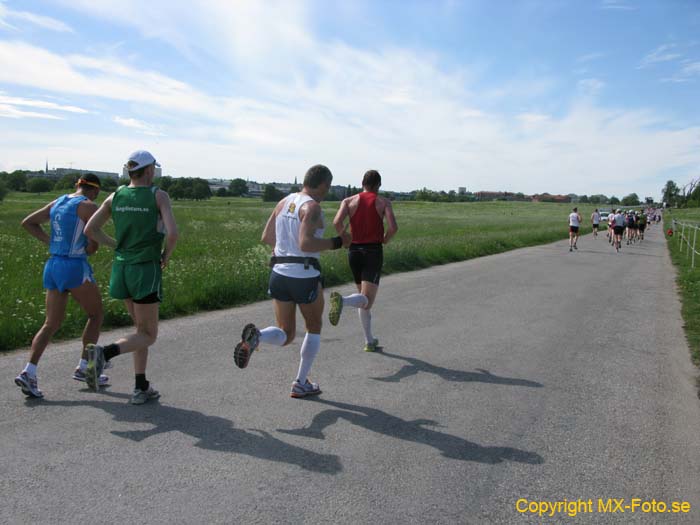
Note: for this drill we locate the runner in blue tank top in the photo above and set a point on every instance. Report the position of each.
(66, 271)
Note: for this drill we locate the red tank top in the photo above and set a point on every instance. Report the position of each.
(366, 225)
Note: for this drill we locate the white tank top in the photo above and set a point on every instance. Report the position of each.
(573, 219)
(287, 225)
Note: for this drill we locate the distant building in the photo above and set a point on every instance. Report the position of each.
(58, 173)
(461, 190)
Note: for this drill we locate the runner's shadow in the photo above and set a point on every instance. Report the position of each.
(212, 433)
(449, 374)
(415, 431)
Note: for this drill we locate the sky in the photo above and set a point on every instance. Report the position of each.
(558, 96)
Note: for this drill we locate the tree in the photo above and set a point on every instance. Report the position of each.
(238, 187)
(16, 181)
(583, 199)
(66, 182)
(295, 189)
(3, 191)
(271, 194)
(598, 199)
(649, 200)
(164, 183)
(614, 200)
(630, 200)
(670, 193)
(39, 185)
(222, 192)
(109, 184)
(200, 189)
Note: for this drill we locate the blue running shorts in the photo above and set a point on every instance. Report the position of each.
(66, 273)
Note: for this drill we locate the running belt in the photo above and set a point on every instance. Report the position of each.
(306, 261)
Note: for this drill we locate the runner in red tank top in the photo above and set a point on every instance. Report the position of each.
(367, 212)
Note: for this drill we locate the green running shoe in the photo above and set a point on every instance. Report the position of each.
(336, 308)
(373, 346)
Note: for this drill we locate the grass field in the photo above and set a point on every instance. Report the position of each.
(220, 262)
(688, 278)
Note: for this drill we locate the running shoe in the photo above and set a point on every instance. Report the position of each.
(373, 346)
(29, 385)
(250, 338)
(336, 308)
(575, 248)
(96, 364)
(571, 249)
(307, 389)
(79, 375)
(139, 397)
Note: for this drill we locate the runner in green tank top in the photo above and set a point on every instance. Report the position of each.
(140, 212)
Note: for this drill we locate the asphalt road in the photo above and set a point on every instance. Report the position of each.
(537, 374)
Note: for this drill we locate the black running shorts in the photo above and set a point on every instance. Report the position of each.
(366, 261)
(573, 229)
(293, 290)
(619, 230)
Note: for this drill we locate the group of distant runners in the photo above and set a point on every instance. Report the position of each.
(630, 224)
(145, 236)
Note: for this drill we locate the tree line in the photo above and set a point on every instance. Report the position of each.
(687, 196)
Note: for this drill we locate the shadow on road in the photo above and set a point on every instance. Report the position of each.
(450, 446)
(212, 433)
(449, 374)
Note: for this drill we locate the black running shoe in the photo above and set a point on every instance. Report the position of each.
(250, 338)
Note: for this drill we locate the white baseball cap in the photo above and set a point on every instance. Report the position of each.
(141, 158)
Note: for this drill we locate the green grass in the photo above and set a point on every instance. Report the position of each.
(219, 261)
(688, 279)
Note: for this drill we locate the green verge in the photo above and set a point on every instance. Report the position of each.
(688, 279)
(219, 261)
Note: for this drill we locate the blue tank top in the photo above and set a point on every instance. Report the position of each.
(67, 237)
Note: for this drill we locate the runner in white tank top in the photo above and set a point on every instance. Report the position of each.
(295, 231)
(574, 224)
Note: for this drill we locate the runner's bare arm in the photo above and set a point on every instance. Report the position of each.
(343, 212)
(171, 235)
(93, 229)
(311, 221)
(392, 227)
(269, 235)
(87, 209)
(32, 223)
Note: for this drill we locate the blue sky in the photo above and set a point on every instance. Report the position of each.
(598, 96)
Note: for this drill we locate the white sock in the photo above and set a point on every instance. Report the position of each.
(366, 321)
(30, 369)
(82, 364)
(356, 300)
(309, 351)
(273, 335)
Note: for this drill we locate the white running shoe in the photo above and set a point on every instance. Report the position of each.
(81, 376)
(139, 396)
(307, 389)
(29, 385)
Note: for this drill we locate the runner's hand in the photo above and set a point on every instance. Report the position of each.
(164, 260)
(347, 239)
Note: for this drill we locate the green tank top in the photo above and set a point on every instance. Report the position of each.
(135, 216)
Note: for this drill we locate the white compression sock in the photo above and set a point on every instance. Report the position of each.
(309, 351)
(273, 336)
(366, 321)
(356, 300)
(30, 369)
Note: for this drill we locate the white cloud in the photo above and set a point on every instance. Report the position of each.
(620, 5)
(139, 125)
(39, 20)
(590, 57)
(590, 86)
(662, 53)
(8, 111)
(16, 101)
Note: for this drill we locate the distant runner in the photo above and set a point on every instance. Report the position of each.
(295, 231)
(66, 272)
(595, 220)
(642, 225)
(574, 224)
(367, 212)
(618, 229)
(140, 212)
